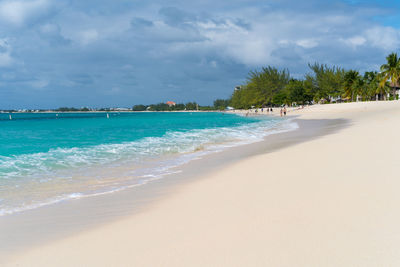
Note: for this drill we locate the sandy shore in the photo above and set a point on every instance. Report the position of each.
(330, 201)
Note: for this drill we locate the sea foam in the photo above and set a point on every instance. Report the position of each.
(37, 179)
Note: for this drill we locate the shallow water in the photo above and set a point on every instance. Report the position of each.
(46, 158)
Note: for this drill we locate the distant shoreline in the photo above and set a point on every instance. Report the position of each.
(113, 111)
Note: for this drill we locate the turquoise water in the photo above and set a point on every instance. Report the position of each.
(48, 157)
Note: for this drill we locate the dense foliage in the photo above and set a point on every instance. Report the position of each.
(221, 104)
(263, 87)
(273, 87)
(65, 109)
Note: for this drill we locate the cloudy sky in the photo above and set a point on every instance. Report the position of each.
(107, 53)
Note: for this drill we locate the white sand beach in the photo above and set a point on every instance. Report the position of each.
(329, 201)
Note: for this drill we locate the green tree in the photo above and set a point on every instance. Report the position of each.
(268, 82)
(221, 104)
(280, 98)
(261, 88)
(139, 108)
(325, 82)
(66, 109)
(178, 107)
(297, 93)
(372, 81)
(350, 79)
(390, 71)
(206, 108)
(359, 88)
(247, 96)
(191, 106)
(237, 98)
(160, 107)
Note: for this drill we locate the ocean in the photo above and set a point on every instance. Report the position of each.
(46, 158)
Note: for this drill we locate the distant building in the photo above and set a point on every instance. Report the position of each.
(238, 87)
(121, 109)
(170, 103)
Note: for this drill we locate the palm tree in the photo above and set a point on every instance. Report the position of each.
(350, 79)
(372, 80)
(381, 89)
(359, 87)
(391, 71)
(371, 84)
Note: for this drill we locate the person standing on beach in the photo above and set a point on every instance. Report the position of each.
(281, 112)
(284, 111)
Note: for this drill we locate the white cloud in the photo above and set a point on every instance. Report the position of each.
(355, 41)
(280, 37)
(307, 43)
(88, 36)
(18, 12)
(387, 38)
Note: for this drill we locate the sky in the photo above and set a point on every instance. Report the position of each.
(118, 53)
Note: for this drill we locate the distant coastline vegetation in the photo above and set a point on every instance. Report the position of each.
(271, 86)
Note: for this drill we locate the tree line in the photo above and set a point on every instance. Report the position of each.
(273, 87)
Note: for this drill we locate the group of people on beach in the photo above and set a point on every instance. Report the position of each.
(261, 110)
(283, 111)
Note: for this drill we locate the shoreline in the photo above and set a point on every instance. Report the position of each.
(104, 111)
(325, 197)
(239, 111)
(78, 215)
(132, 171)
